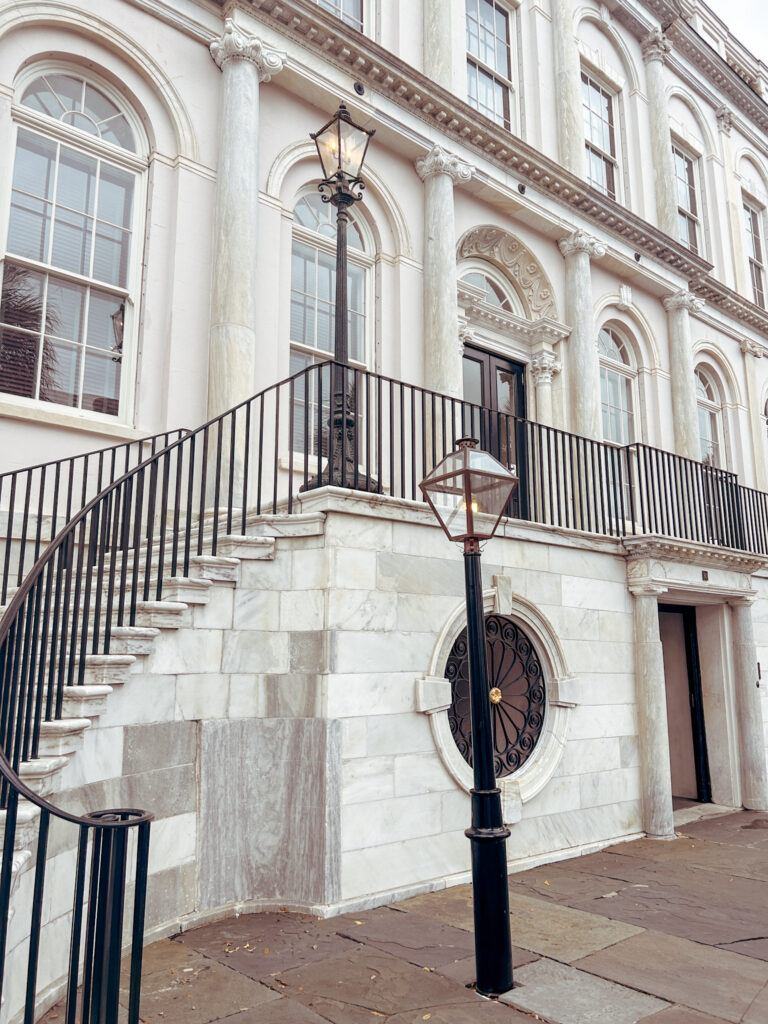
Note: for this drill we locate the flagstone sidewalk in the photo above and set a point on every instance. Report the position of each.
(669, 932)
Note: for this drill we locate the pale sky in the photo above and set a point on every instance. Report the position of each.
(747, 20)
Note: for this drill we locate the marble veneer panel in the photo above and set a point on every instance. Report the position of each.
(269, 811)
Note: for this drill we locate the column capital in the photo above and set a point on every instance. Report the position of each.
(724, 119)
(743, 601)
(440, 161)
(544, 366)
(466, 336)
(655, 46)
(646, 588)
(234, 44)
(683, 300)
(752, 348)
(580, 241)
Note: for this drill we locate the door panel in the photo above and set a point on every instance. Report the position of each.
(497, 385)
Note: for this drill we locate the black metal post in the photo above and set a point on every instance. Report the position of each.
(341, 468)
(488, 835)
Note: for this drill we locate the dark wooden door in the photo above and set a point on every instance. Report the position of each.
(497, 387)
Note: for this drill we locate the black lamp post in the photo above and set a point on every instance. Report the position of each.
(341, 146)
(468, 492)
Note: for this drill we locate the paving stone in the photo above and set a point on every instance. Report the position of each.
(483, 1011)
(711, 980)
(259, 945)
(454, 906)
(558, 884)
(745, 862)
(739, 829)
(560, 932)
(464, 971)
(564, 995)
(201, 992)
(353, 987)
(416, 938)
(758, 1010)
(679, 1015)
(281, 1011)
(757, 948)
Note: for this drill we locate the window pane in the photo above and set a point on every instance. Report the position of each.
(18, 362)
(29, 227)
(69, 90)
(97, 105)
(66, 309)
(101, 383)
(111, 254)
(61, 383)
(118, 132)
(33, 170)
(76, 188)
(115, 196)
(101, 307)
(21, 304)
(39, 96)
(72, 242)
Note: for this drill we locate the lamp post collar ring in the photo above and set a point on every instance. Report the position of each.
(341, 191)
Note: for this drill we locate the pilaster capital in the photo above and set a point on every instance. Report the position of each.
(646, 588)
(752, 348)
(743, 600)
(466, 336)
(580, 241)
(683, 300)
(655, 46)
(234, 44)
(724, 119)
(544, 366)
(440, 161)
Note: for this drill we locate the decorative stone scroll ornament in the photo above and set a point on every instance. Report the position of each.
(752, 348)
(466, 336)
(683, 300)
(544, 366)
(580, 241)
(724, 119)
(440, 161)
(655, 46)
(515, 260)
(236, 45)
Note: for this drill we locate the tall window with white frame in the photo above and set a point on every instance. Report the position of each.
(617, 380)
(755, 252)
(687, 205)
(350, 11)
(489, 60)
(313, 295)
(599, 135)
(67, 271)
(710, 418)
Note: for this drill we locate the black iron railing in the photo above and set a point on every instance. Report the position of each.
(151, 522)
(36, 501)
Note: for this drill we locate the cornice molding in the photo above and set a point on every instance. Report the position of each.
(641, 551)
(440, 161)
(234, 44)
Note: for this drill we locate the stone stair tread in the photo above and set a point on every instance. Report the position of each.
(216, 568)
(114, 660)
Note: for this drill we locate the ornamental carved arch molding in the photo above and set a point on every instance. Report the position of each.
(518, 263)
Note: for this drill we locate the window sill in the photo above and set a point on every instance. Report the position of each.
(74, 420)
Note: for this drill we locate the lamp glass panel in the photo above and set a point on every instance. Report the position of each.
(353, 145)
(328, 148)
(451, 510)
(490, 496)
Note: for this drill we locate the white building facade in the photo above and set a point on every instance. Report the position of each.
(564, 224)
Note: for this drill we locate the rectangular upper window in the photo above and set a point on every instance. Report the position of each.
(350, 11)
(755, 253)
(687, 206)
(599, 135)
(489, 60)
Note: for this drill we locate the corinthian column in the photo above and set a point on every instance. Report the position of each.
(245, 62)
(655, 49)
(734, 203)
(749, 711)
(440, 171)
(544, 366)
(568, 101)
(653, 734)
(685, 414)
(444, 35)
(752, 352)
(583, 358)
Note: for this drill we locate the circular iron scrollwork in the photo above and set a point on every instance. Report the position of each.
(516, 694)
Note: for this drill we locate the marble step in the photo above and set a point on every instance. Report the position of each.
(187, 590)
(27, 821)
(216, 568)
(246, 547)
(40, 773)
(136, 640)
(108, 669)
(85, 701)
(162, 614)
(63, 736)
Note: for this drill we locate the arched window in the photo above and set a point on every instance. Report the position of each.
(69, 269)
(313, 293)
(710, 418)
(617, 377)
(494, 293)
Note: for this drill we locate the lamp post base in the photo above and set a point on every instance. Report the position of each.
(493, 946)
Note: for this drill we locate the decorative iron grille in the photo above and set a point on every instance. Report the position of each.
(516, 693)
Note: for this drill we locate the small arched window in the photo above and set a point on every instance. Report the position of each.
(494, 293)
(710, 418)
(617, 379)
(69, 269)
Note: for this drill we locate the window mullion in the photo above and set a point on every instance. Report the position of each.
(42, 340)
